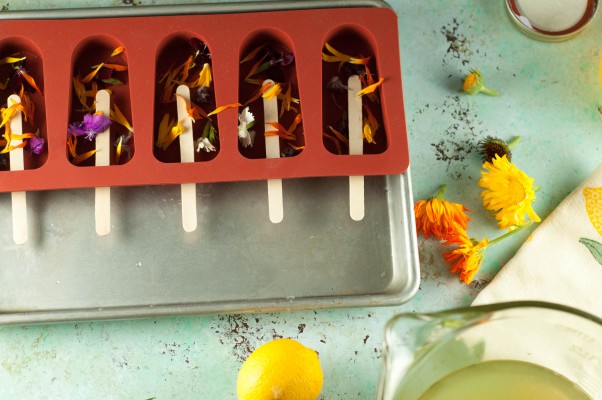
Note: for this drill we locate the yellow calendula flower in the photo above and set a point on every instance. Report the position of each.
(508, 192)
(473, 84)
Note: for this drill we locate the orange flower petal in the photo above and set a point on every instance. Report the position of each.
(370, 88)
(118, 50)
(222, 108)
(92, 74)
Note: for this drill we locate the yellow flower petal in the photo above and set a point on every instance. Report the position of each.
(11, 60)
(117, 116)
(272, 92)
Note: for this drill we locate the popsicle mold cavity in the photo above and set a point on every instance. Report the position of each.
(269, 55)
(21, 73)
(185, 59)
(99, 62)
(348, 51)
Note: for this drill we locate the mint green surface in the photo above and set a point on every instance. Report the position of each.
(550, 95)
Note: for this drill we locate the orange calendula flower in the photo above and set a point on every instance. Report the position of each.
(508, 192)
(440, 217)
(337, 56)
(465, 260)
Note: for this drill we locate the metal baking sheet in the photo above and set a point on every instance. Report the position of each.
(236, 261)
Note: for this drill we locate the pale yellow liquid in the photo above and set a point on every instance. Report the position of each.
(504, 380)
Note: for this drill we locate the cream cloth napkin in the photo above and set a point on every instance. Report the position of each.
(562, 261)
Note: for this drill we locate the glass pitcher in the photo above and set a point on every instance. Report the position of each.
(422, 349)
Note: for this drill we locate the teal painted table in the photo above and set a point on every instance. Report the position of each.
(550, 96)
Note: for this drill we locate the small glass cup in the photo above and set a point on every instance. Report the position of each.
(422, 349)
(551, 21)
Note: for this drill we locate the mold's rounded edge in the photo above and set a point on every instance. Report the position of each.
(89, 52)
(286, 75)
(16, 45)
(363, 44)
(182, 45)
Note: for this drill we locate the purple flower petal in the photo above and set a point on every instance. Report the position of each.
(287, 59)
(36, 145)
(92, 125)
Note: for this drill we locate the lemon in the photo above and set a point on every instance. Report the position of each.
(593, 206)
(282, 369)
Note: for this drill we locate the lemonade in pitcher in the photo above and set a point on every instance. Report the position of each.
(504, 380)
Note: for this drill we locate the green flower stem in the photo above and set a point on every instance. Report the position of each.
(507, 234)
(514, 142)
(441, 192)
(488, 91)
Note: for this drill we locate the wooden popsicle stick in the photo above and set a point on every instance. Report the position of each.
(272, 150)
(356, 147)
(18, 199)
(102, 195)
(188, 190)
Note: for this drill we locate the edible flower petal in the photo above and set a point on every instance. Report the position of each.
(246, 119)
(118, 50)
(222, 108)
(337, 56)
(370, 88)
(92, 125)
(273, 91)
(204, 144)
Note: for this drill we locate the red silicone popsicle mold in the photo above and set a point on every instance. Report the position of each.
(59, 47)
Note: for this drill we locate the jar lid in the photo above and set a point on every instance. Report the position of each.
(551, 20)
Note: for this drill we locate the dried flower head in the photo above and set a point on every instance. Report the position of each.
(491, 146)
(508, 192)
(473, 84)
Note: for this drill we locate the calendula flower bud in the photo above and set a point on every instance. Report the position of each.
(473, 84)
